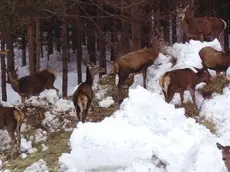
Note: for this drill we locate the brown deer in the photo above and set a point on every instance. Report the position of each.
(214, 59)
(179, 80)
(225, 154)
(33, 85)
(12, 118)
(136, 62)
(201, 28)
(83, 96)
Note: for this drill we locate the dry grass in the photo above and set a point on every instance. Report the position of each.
(216, 85)
(209, 124)
(57, 144)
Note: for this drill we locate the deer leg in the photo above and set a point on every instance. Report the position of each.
(192, 93)
(122, 78)
(182, 98)
(18, 129)
(78, 110)
(144, 73)
(170, 95)
(86, 112)
(10, 130)
(22, 99)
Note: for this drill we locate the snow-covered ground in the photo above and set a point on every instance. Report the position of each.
(145, 130)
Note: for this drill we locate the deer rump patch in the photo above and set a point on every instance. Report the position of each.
(82, 101)
(165, 82)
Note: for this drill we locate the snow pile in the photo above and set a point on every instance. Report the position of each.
(144, 126)
(39, 166)
(106, 102)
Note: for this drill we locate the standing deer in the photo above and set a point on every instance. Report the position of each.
(225, 154)
(33, 85)
(214, 59)
(83, 96)
(11, 118)
(136, 62)
(201, 28)
(179, 80)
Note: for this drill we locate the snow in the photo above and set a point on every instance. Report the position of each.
(145, 134)
(39, 166)
(146, 126)
(106, 102)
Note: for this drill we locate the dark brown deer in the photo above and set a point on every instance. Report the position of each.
(214, 59)
(83, 96)
(136, 62)
(11, 118)
(225, 154)
(33, 85)
(200, 28)
(179, 80)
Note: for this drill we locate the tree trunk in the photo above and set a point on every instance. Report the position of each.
(83, 33)
(58, 35)
(101, 41)
(23, 49)
(114, 40)
(78, 47)
(50, 40)
(91, 42)
(3, 71)
(41, 46)
(174, 28)
(125, 33)
(38, 41)
(74, 38)
(64, 59)
(30, 30)
(136, 30)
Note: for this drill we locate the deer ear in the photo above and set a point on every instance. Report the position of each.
(219, 146)
(185, 9)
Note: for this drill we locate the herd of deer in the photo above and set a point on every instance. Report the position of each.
(175, 81)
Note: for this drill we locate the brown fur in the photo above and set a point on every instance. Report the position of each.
(179, 80)
(225, 154)
(136, 62)
(201, 28)
(12, 118)
(214, 59)
(83, 96)
(33, 84)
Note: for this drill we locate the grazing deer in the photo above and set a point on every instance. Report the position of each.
(136, 62)
(201, 28)
(33, 85)
(214, 59)
(179, 80)
(12, 118)
(84, 94)
(225, 154)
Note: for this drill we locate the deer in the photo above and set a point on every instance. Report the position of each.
(84, 94)
(225, 154)
(214, 59)
(179, 80)
(136, 62)
(32, 85)
(201, 28)
(11, 118)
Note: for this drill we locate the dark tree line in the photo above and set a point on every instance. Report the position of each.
(118, 26)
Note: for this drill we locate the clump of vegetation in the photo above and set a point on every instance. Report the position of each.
(190, 109)
(216, 85)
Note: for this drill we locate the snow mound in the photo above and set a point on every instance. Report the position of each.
(142, 128)
(106, 102)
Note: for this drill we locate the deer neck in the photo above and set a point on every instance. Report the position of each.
(184, 25)
(89, 77)
(14, 84)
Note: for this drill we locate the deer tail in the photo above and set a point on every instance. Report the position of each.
(165, 82)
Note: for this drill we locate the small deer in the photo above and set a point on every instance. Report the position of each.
(12, 118)
(33, 85)
(179, 80)
(136, 62)
(83, 96)
(214, 59)
(201, 28)
(225, 154)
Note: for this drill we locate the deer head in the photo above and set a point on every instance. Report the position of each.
(158, 42)
(225, 154)
(94, 69)
(204, 75)
(13, 74)
(181, 12)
